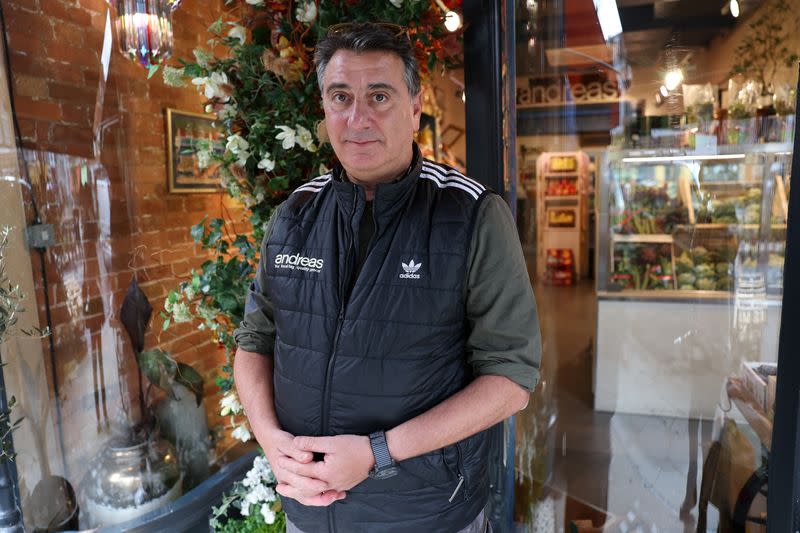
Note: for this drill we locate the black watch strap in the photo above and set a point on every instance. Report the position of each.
(380, 450)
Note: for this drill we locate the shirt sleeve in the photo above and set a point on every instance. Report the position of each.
(256, 332)
(505, 339)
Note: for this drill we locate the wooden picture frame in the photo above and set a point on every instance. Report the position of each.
(187, 134)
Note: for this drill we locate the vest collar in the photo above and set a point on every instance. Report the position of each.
(389, 197)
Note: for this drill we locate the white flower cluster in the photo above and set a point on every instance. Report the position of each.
(173, 76)
(212, 85)
(255, 2)
(179, 310)
(259, 482)
(237, 32)
(238, 146)
(306, 11)
(298, 135)
(230, 404)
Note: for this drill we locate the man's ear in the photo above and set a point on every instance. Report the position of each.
(416, 102)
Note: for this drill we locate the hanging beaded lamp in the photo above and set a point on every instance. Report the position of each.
(144, 29)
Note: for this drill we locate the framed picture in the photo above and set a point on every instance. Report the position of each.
(188, 134)
(428, 137)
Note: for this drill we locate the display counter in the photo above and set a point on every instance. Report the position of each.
(690, 265)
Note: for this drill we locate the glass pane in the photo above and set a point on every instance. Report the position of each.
(655, 186)
(86, 193)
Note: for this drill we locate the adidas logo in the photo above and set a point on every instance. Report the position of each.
(410, 270)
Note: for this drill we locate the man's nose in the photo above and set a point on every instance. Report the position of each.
(359, 115)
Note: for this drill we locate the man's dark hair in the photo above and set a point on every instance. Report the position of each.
(362, 37)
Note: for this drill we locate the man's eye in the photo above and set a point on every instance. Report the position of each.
(339, 97)
(380, 98)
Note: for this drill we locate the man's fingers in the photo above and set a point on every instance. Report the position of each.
(314, 444)
(311, 470)
(318, 500)
(291, 450)
(306, 485)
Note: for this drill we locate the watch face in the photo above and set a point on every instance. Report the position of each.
(384, 473)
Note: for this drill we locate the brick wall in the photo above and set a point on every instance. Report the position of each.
(113, 214)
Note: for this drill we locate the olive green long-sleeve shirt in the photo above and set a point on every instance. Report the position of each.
(504, 337)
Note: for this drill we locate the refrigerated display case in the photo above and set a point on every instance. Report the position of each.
(690, 255)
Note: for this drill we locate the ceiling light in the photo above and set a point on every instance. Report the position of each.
(531, 42)
(735, 8)
(659, 99)
(608, 16)
(452, 21)
(673, 79)
(664, 92)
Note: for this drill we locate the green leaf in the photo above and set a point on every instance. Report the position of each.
(151, 71)
(192, 380)
(166, 324)
(159, 368)
(199, 230)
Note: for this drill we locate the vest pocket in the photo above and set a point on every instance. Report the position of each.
(454, 459)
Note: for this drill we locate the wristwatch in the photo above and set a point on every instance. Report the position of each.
(385, 466)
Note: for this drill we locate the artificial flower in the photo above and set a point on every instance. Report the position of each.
(266, 162)
(241, 433)
(305, 139)
(230, 404)
(287, 136)
(203, 158)
(203, 57)
(306, 11)
(238, 32)
(396, 3)
(255, 2)
(173, 76)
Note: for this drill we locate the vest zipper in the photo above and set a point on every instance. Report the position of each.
(343, 284)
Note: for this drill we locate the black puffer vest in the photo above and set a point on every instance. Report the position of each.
(353, 356)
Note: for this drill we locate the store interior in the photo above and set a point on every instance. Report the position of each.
(653, 167)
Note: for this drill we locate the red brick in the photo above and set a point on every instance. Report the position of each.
(69, 13)
(32, 86)
(79, 57)
(28, 22)
(82, 115)
(40, 109)
(73, 94)
(25, 44)
(73, 34)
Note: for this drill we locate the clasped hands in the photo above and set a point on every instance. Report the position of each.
(347, 462)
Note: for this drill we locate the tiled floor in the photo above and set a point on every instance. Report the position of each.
(642, 471)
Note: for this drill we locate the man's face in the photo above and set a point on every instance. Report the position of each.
(369, 114)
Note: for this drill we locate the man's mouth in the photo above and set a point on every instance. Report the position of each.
(362, 143)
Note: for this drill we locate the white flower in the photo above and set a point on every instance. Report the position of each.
(212, 85)
(173, 76)
(323, 169)
(396, 3)
(180, 312)
(227, 111)
(268, 513)
(230, 404)
(266, 162)
(202, 57)
(238, 32)
(306, 11)
(241, 433)
(255, 2)
(237, 144)
(203, 159)
(287, 135)
(305, 139)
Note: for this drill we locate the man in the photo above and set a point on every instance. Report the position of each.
(391, 320)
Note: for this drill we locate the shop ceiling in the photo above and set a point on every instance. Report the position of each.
(570, 28)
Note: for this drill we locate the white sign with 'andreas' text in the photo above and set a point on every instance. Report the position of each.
(539, 92)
